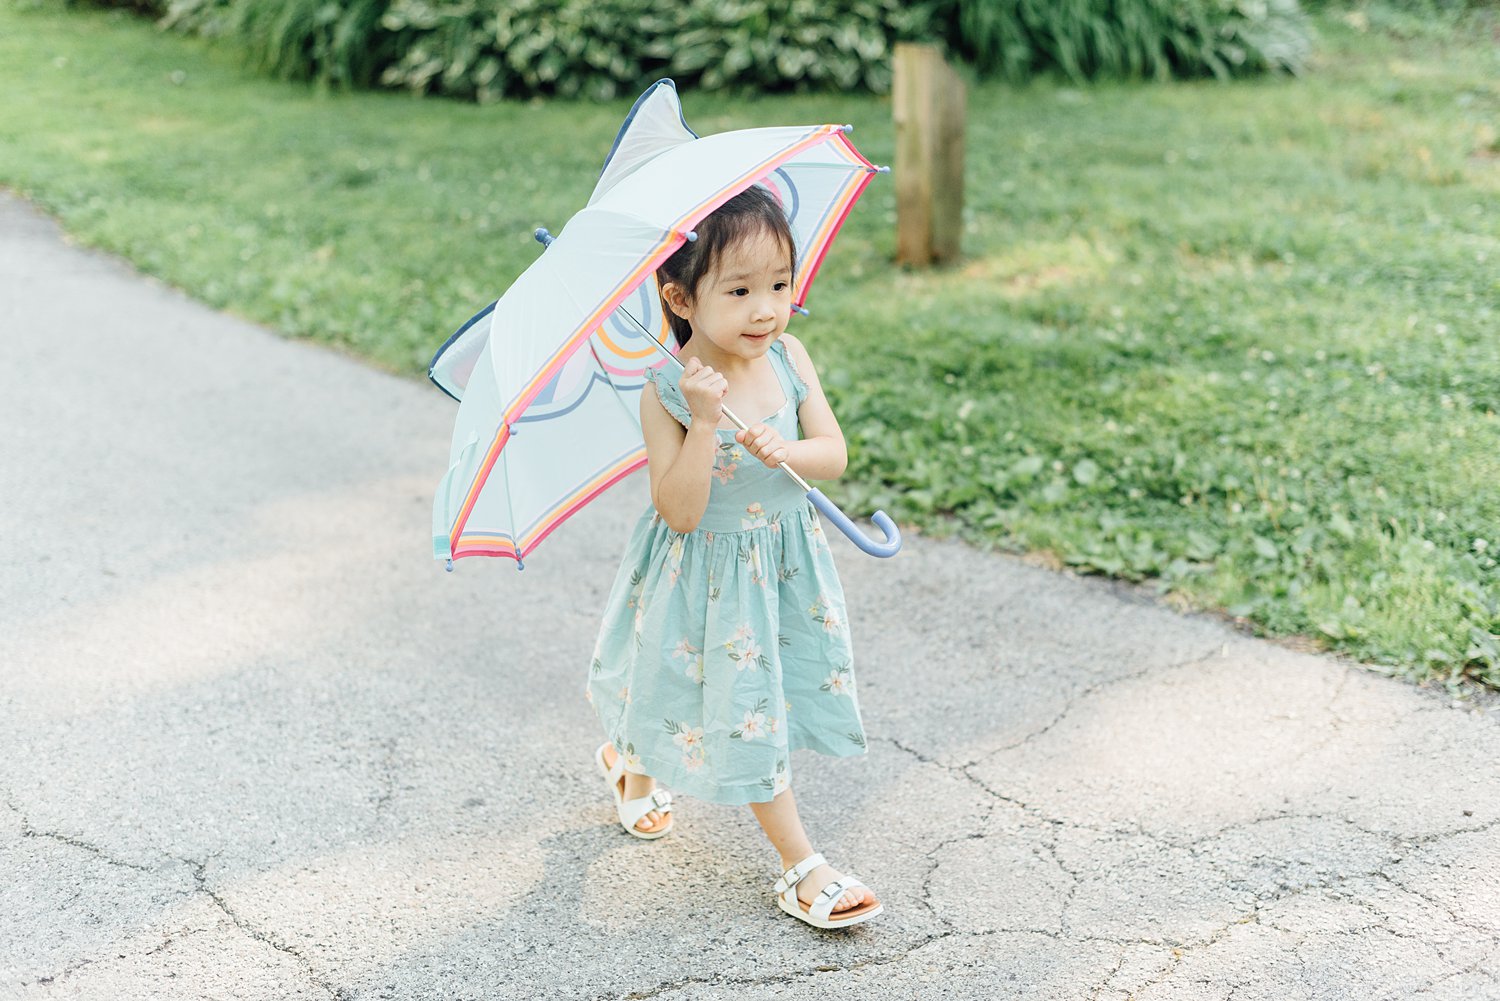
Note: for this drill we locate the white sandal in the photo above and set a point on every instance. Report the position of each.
(630, 811)
(820, 913)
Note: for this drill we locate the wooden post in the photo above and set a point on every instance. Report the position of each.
(927, 100)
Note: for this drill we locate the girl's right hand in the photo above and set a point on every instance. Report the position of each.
(704, 390)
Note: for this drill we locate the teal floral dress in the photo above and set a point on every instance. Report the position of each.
(724, 648)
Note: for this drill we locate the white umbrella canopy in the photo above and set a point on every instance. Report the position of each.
(548, 375)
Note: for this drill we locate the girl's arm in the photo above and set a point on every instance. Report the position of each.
(681, 459)
(821, 454)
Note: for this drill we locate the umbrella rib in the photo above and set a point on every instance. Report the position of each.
(510, 503)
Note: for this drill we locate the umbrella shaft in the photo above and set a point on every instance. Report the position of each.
(733, 417)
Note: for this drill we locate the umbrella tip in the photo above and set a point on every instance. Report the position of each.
(846, 128)
(448, 566)
(692, 236)
(542, 236)
(520, 564)
(883, 170)
(801, 309)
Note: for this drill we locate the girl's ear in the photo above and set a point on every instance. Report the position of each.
(677, 300)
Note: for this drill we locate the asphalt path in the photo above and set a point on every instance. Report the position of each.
(254, 743)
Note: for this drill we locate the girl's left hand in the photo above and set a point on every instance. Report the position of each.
(764, 443)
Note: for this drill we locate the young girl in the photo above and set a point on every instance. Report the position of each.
(725, 643)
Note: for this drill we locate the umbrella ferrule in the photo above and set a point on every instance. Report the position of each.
(543, 237)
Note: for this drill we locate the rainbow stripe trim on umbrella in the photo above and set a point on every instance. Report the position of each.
(504, 545)
(461, 544)
(837, 212)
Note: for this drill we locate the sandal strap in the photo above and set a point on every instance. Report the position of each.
(798, 872)
(618, 768)
(632, 810)
(822, 907)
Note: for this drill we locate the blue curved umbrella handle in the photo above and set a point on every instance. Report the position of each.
(890, 547)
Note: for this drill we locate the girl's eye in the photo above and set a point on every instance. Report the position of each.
(740, 292)
(781, 286)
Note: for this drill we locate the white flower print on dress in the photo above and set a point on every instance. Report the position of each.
(755, 516)
(745, 651)
(695, 659)
(685, 736)
(840, 682)
(823, 612)
(674, 561)
(754, 725)
(690, 740)
(686, 651)
(751, 558)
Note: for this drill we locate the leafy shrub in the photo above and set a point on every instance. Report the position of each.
(490, 48)
(208, 18)
(1086, 39)
(487, 49)
(765, 44)
(335, 43)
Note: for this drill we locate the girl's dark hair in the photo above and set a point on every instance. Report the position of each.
(752, 211)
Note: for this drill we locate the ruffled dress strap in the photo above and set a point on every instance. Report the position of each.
(779, 350)
(670, 393)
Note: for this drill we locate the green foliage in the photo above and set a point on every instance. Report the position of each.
(1089, 39)
(487, 49)
(207, 18)
(340, 44)
(762, 44)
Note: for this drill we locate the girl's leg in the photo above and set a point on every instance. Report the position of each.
(637, 784)
(783, 826)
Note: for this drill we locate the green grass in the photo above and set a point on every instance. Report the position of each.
(1243, 339)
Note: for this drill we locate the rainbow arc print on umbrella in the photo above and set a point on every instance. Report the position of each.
(548, 376)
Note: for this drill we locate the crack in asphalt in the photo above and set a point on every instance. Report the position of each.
(779, 978)
(200, 877)
(28, 831)
(1195, 846)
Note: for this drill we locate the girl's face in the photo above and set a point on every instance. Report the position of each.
(743, 303)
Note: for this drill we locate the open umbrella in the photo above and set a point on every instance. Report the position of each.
(548, 375)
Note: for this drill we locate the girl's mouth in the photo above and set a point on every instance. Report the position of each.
(758, 337)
